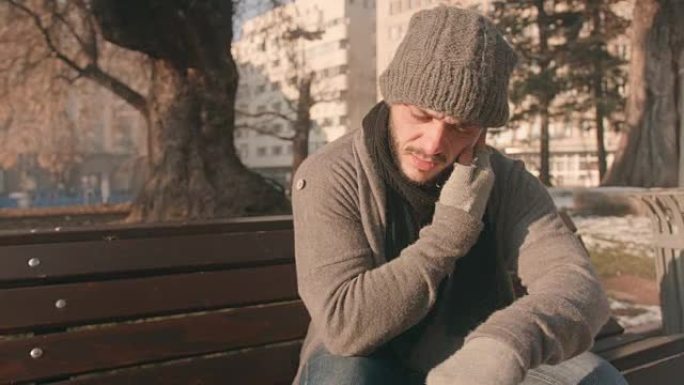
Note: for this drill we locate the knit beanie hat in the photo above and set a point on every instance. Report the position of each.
(453, 61)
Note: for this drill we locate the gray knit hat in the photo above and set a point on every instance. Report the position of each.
(453, 61)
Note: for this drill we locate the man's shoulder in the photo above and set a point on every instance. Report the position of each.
(503, 165)
(512, 177)
(333, 163)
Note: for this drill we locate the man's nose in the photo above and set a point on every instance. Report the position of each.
(434, 137)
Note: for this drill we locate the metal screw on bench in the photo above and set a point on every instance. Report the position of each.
(60, 304)
(36, 353)
(33, 262)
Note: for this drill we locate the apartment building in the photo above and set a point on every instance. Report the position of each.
(342, 59)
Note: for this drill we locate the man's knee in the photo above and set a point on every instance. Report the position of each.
(324, 368)
(585, 369)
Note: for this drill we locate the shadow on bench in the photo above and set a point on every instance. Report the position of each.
(211, 303)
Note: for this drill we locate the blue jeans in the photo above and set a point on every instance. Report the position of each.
(381, 368)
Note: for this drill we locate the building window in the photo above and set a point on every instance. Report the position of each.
(274, 87)
(289, 149)
(261, 89)
(344, 120)
(276, 106)
(261, 151)
(276, 150)
(343, 44)
(261, 108)
(395, 7)
(277, 128)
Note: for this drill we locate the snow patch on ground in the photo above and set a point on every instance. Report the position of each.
(630, 315)
(631, 233)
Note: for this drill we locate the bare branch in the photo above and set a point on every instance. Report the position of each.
(91, 71)
(72, 30)
(325, 98)
(69, 79)
(290, 104)
(46, 35)
(263, 114)
(91, 45)
(264, 131)
(301, 33)
(119, 88)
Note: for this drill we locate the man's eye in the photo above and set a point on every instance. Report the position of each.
(422, 118)
(466, 129)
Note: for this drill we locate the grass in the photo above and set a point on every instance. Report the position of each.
(614, 261)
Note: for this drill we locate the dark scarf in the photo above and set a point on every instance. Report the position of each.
(421, 198)
(479, 283)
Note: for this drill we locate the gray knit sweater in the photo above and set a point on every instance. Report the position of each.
(359, 301)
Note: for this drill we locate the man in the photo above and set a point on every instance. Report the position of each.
(406, 229)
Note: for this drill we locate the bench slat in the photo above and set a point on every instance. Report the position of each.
(274, 365)
(130, 344)
(664, 372)
(642, 352)
(35, 307)
(102, 257)
(147, 230)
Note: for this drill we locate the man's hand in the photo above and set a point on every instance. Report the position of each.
(471, 181)
(478, 144)
(482, 361)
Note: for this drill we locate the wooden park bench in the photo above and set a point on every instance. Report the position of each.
(211, 303)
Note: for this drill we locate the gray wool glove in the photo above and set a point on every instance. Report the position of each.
(468, 187)
(481, 361)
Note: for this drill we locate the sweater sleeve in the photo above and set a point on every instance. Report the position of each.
(354, 305)
(565, 306)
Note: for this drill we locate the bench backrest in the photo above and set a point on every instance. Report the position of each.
(211, 303)
(202, 304)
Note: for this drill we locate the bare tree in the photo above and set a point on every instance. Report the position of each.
(31, 101)
(543, 32)
(188, 107)
(650, 150)
(286, 36)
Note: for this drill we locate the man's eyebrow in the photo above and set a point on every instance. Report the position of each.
(421, 111)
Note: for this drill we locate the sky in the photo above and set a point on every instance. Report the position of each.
(247, 9)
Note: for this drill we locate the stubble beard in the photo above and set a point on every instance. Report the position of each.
(396, 153)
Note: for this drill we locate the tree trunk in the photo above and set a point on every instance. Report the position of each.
(545, 97)
(597, 86)
(649, 152)
(194, 171)
(544, 153)
(302, 126)
(600, 142)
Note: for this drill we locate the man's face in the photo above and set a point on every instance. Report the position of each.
(426, 142)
